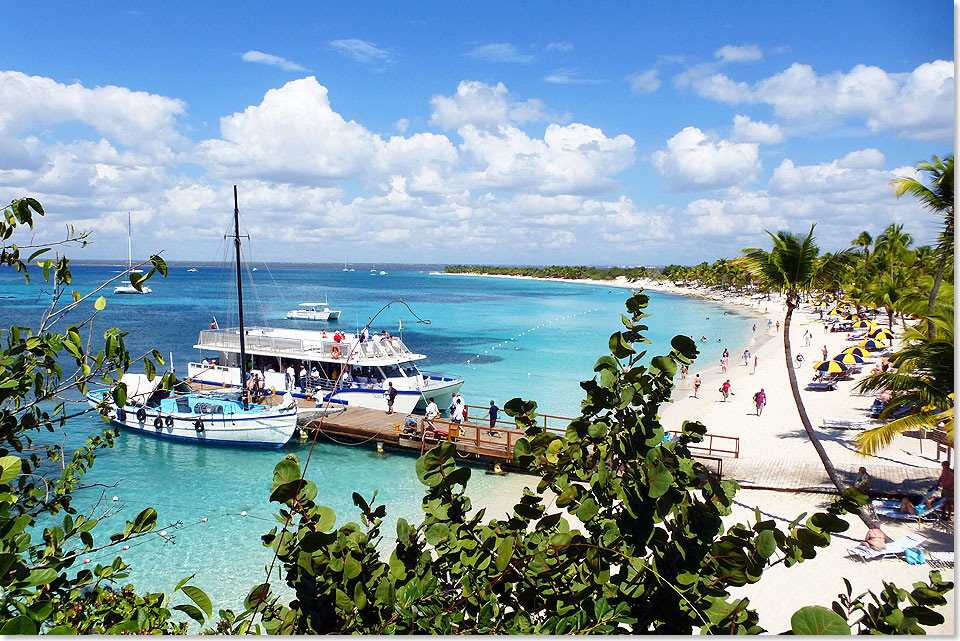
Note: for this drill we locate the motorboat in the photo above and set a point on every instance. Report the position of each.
(192, 269)
(129, 288)
(311, 364)
(314, 312)
(224, 416)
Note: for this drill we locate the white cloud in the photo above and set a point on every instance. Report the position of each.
(694, 161)
(569, 76)
(560, 46)
(863, 159)
(269, 59)
(918, 104)
(128, 117)
(363, 52)
(745, 53)
(402, 125)
(482, 105)
(500, 52)
(747, 130)
(644, 82)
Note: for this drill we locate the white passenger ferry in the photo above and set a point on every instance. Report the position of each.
(316, 360)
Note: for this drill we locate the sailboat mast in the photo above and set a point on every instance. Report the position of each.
(243, 348)
(129, 246)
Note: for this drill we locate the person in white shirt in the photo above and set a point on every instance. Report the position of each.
(431, 413)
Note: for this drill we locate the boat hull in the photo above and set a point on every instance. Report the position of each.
(266, 429)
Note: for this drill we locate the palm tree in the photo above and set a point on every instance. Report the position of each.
(922, 384)
(892, 245)
(938, 198)
(793, 267)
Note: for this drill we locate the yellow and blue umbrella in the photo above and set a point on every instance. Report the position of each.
(831, 367)
(864, 324)
(848, 358)
(851, 317)
(880, 334)
(856, 351)
(836, 311)
(872, 345)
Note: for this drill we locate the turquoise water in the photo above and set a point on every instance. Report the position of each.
(505, 337)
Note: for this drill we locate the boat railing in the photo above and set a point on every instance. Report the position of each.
(229, 340)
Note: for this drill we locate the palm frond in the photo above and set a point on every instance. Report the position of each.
(878, 438)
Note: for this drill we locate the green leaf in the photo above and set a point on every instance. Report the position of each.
(11, 467)
(815, 619)
(199, 597)
(191, 611)
(19, 625)
(100, 303)
(619, 346)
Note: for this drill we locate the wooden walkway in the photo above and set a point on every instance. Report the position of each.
(358, 424)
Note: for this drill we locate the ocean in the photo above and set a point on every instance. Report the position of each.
(505, 337)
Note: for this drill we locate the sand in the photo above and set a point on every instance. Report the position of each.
(778, 435)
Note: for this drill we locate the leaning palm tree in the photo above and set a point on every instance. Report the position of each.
(922, 385)
(794, 267)
(938, 198)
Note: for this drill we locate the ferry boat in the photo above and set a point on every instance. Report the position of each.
(218, 417)
(371, 365)
(314, 312)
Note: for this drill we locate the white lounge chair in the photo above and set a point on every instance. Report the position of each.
(940, 560)
(865, 553)
(846, 423)
(891, 510)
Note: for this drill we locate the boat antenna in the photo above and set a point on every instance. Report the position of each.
(243, 347)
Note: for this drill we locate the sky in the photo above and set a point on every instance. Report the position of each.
(602, 133)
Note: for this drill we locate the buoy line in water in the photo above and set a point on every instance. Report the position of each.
(542, 325)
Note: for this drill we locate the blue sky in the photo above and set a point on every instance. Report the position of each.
(534, 132)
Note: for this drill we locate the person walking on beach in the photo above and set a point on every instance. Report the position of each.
(760, 399)
(746, 357)
(769, 325)
(754, 328)
(696, 386)
(725, 390)
(824, 352)
(778, 326)
(391, 397)
(799, 361)
(683, 372)
(723, 363)
(806, 337)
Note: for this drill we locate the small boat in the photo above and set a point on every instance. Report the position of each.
(345, 266)
(382, 273)
(223, 416)
(129, 288)
(192, 269)
(314, 312)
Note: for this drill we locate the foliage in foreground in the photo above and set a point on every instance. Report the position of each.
(638, 546)
(41, 589)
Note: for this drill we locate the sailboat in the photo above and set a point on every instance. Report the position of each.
(129, 288)
(222, 416)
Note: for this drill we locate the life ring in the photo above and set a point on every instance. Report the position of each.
(141, 415)
(169, 421)
(198, 425)
(335, 351)
(158, 423)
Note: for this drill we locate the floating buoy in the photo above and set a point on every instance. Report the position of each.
(163, 533)
(528, 373)
(125, 547)
(86, 561)
(204, 520)
(243, 514)
(116, 498)
(380, 445)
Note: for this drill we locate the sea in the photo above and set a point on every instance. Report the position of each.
(505, 337)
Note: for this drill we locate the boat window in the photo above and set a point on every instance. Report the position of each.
(390, 371)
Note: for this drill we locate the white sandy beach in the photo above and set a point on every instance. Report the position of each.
(778, 435)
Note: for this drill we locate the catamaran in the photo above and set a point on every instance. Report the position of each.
(311, 363)
(128, 288)
(211, 417)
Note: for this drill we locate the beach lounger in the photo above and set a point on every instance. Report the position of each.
(847, 423)
(896, 548)
(826, 386)
(890, 510)
(940, 560)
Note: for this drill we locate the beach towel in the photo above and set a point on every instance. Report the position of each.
(914, 556)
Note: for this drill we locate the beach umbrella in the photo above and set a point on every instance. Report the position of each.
(856, 351)
(830, 367)
(864, 324)
(848, 359)
(871, 345)
(851, 317)
(880, 334)
(836, 311)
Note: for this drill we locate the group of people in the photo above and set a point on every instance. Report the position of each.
(457, 412)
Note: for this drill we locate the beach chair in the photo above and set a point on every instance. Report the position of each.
(940, 560)
(865, 553)
(890, 510)
(846, 423)
(825, 386)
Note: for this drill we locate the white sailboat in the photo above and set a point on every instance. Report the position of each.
(128, 288)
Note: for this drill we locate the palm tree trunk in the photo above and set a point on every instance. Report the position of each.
(828, 466)
(931, 328)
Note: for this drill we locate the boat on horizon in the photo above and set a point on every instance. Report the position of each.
(129, 288)
(314, 312)
(192, 269)
(223, 417)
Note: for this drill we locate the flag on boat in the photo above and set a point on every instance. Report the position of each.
(213, 323)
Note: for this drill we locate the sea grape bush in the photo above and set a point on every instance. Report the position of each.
(40, 589)
(639, 546)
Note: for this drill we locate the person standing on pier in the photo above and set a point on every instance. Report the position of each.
(391, 397)
(493, 414)
(430, 414)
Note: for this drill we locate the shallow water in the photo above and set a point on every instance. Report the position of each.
(505, 337)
